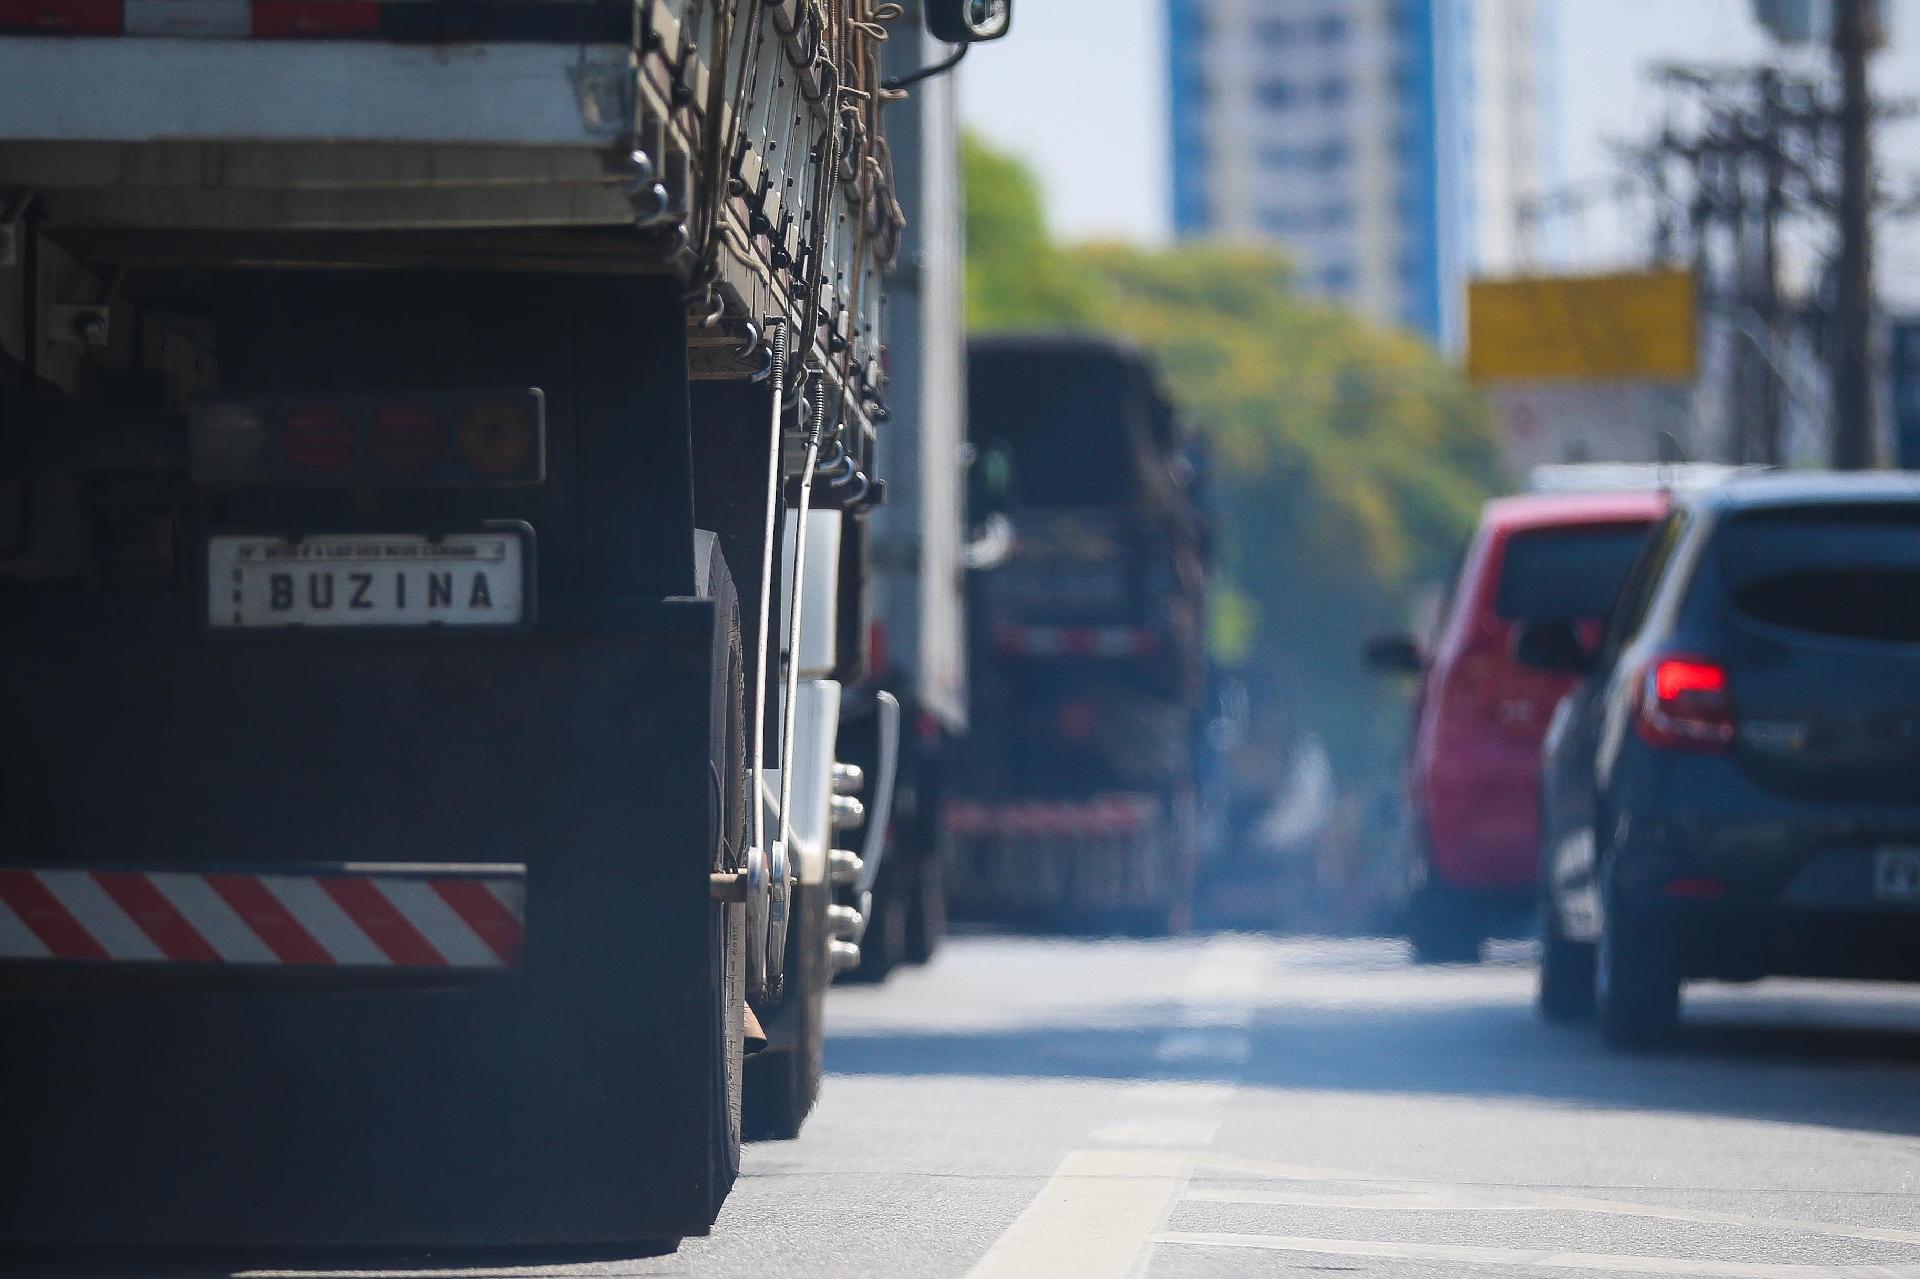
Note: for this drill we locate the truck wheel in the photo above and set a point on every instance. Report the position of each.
(884, 943)
(1439, 928)
(728, 765)
(1566, 971)
(783, 1080)
(1636, 983)
(1183, 860)
(927, 910)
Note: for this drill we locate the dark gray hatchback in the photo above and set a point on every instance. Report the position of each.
(1733, 791)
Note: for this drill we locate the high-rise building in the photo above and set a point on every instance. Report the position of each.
(1387, 144)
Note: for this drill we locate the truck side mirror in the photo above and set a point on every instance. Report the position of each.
(1397, 654)
(1552, 644)
(969, 21)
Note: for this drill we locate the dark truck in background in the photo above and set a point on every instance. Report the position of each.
(1087, 666)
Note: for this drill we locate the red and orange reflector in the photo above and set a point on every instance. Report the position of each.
(434, 439)
(319, 437)
(496, 437)
(408, 437)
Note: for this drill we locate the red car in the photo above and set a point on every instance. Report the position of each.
(1473, 778)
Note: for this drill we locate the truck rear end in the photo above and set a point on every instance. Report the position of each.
(399, 405)
(1085, 642)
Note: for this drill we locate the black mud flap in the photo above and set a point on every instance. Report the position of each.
(565, 1104)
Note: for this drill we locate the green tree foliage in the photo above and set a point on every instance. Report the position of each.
(1016, 276)
(1351, 461)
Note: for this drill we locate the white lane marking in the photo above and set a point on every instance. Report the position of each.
(1193, 1047)
(1478, 1256)
(1385, 1194)
(17, 941)
(213, 919)
(449, 934)
(1096, 1216)
(1178, 1095)
(100, 915)
(321, 916)
(1163, 1132)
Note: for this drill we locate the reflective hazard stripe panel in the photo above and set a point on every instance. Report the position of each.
(415, 919)
(1076, 641)
(1106, 816)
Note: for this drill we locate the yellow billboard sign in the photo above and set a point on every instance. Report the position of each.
(1635, 326)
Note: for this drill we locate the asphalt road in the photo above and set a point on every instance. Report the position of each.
(1248, 1106)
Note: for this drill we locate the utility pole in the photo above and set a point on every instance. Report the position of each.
(1854, 438)
(1773, 207)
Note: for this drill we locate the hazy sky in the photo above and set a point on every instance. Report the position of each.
(1079, 90)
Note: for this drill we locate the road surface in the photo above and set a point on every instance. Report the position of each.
(1250, 1106)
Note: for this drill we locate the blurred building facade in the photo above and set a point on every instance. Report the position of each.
(1390, 145)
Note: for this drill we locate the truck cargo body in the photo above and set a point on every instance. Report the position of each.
(1085, 638)
(388, 462)
(914, 540)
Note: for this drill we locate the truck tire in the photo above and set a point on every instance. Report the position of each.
(883, 945)
(783, 1081)
(728, 765)
(926, 923)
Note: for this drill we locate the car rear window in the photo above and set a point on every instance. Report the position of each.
(1847, 572)
(1566, 573)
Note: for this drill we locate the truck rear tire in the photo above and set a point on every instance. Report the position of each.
(884, 945)
(783, 1080)
(728, 764)
(926, 925)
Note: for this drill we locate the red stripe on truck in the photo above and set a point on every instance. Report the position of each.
(483, 912)
(164, 925)
(382, 923)
(62, 17)
(296, 19)
(62, 934)
(261, 911)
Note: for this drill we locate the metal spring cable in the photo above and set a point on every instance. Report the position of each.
(779, 380)
(814, 432)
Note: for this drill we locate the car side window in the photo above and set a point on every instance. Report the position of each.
(1643, 581)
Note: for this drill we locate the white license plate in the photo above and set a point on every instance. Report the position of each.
(464, 579)
(1896, 874)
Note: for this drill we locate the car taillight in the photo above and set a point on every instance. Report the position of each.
(319, 437)
(1684, 705)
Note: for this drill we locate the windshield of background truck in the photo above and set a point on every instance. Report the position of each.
(1062, 438)
(1565, 573)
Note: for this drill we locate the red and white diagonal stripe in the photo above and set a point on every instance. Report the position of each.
(377, 920)
(1103, 817)
(1077, 641)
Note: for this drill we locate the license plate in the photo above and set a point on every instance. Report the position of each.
(1896, 874)
(367, 580)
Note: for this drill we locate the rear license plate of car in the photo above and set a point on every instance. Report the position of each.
(1896, 875)
(368, 580)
